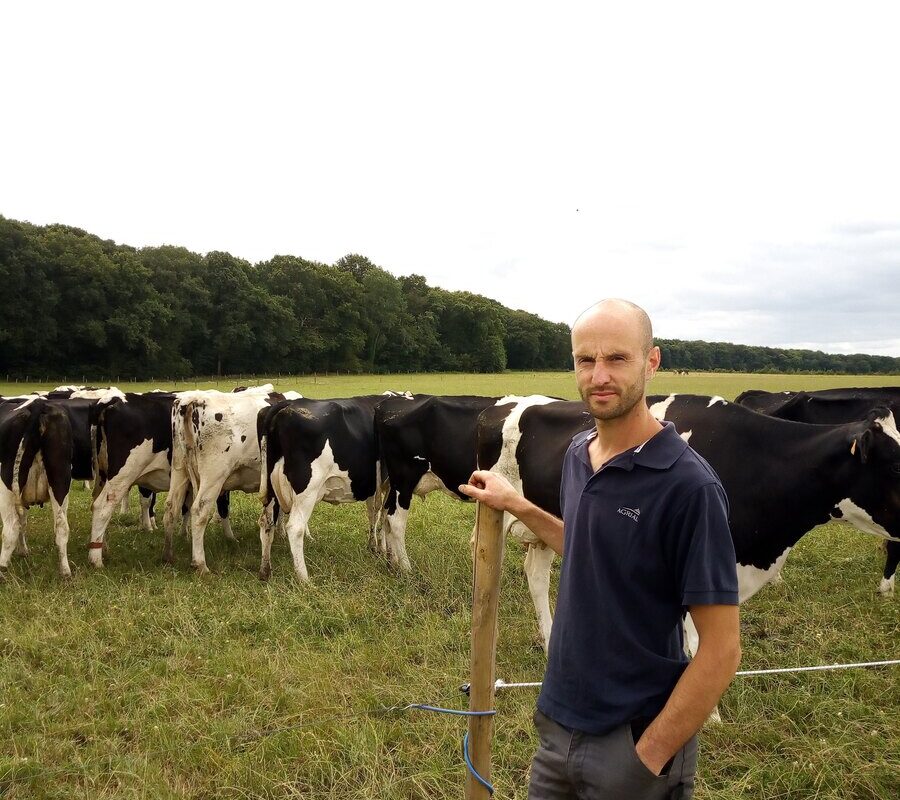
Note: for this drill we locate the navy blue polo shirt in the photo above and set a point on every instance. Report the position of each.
(646, 536)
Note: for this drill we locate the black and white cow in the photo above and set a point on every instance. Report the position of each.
(833, 407)
(824, 407)
(782, 478)
(215, 450)
(427, 444)
(132, 446)
(76, 401)
(35, 466)
(316, 450)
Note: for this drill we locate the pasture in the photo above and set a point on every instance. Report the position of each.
(143, 681)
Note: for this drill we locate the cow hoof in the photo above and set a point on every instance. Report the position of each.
(2, 574)
(201, 569)
(265, 572)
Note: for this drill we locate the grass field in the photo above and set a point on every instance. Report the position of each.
(143, 681)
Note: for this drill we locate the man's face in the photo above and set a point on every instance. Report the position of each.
(611, 368)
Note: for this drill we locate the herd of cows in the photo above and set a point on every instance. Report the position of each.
(789, 461)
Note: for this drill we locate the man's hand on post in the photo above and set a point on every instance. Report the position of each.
(498, 493)
(491, 489)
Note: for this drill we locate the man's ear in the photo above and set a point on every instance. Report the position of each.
(862, 445)
(654, 357)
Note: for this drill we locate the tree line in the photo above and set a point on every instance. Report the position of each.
(72, 304)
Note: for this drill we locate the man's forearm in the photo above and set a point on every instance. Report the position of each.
(542, 524)
(690, 704)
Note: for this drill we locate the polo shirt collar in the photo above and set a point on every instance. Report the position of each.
(660, 451)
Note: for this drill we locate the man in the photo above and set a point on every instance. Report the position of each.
(644, 537)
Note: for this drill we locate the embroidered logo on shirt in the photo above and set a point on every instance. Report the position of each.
(632, 513)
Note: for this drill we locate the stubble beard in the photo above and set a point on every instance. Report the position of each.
(626, 402)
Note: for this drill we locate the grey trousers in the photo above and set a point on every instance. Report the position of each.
(572, 765)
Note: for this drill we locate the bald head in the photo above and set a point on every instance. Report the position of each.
(623, 310)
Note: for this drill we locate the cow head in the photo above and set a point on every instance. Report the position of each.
(874, 502)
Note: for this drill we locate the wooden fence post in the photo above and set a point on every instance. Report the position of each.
(488, 562)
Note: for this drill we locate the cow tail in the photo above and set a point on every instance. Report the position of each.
(382, 491)
(270, 451)
(263, 467)
(189, 430)
(97, 423)
(56, 444)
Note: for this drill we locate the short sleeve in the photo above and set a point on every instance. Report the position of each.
(706, 568)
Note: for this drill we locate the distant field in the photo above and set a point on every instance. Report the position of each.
(557, 384)
(142, 681)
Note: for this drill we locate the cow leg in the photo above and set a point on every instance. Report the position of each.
(373, 507)
(201, 511)
(147, 497)
(22, 542)
(891, 560)
(123, 504)
(61, 532)
(179, 486)
(395, 538)
(266, 535)
(103, 508)
(538, 560)
(395, 516)
(297, 526)
(223, 504)
(9, 516)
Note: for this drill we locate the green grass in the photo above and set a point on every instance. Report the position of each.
(557, 384)
(143, 681)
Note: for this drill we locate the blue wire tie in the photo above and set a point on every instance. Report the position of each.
(424, 707)
(471, 767)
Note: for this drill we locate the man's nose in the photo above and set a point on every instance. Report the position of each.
(601, 374)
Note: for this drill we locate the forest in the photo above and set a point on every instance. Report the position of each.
(73, 305)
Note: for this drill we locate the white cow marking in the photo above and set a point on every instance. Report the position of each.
(889, 425)
(659, 409)
(751, 579)
(717, 399)
(860, 518)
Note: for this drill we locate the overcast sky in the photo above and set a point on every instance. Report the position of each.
(733, 169)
